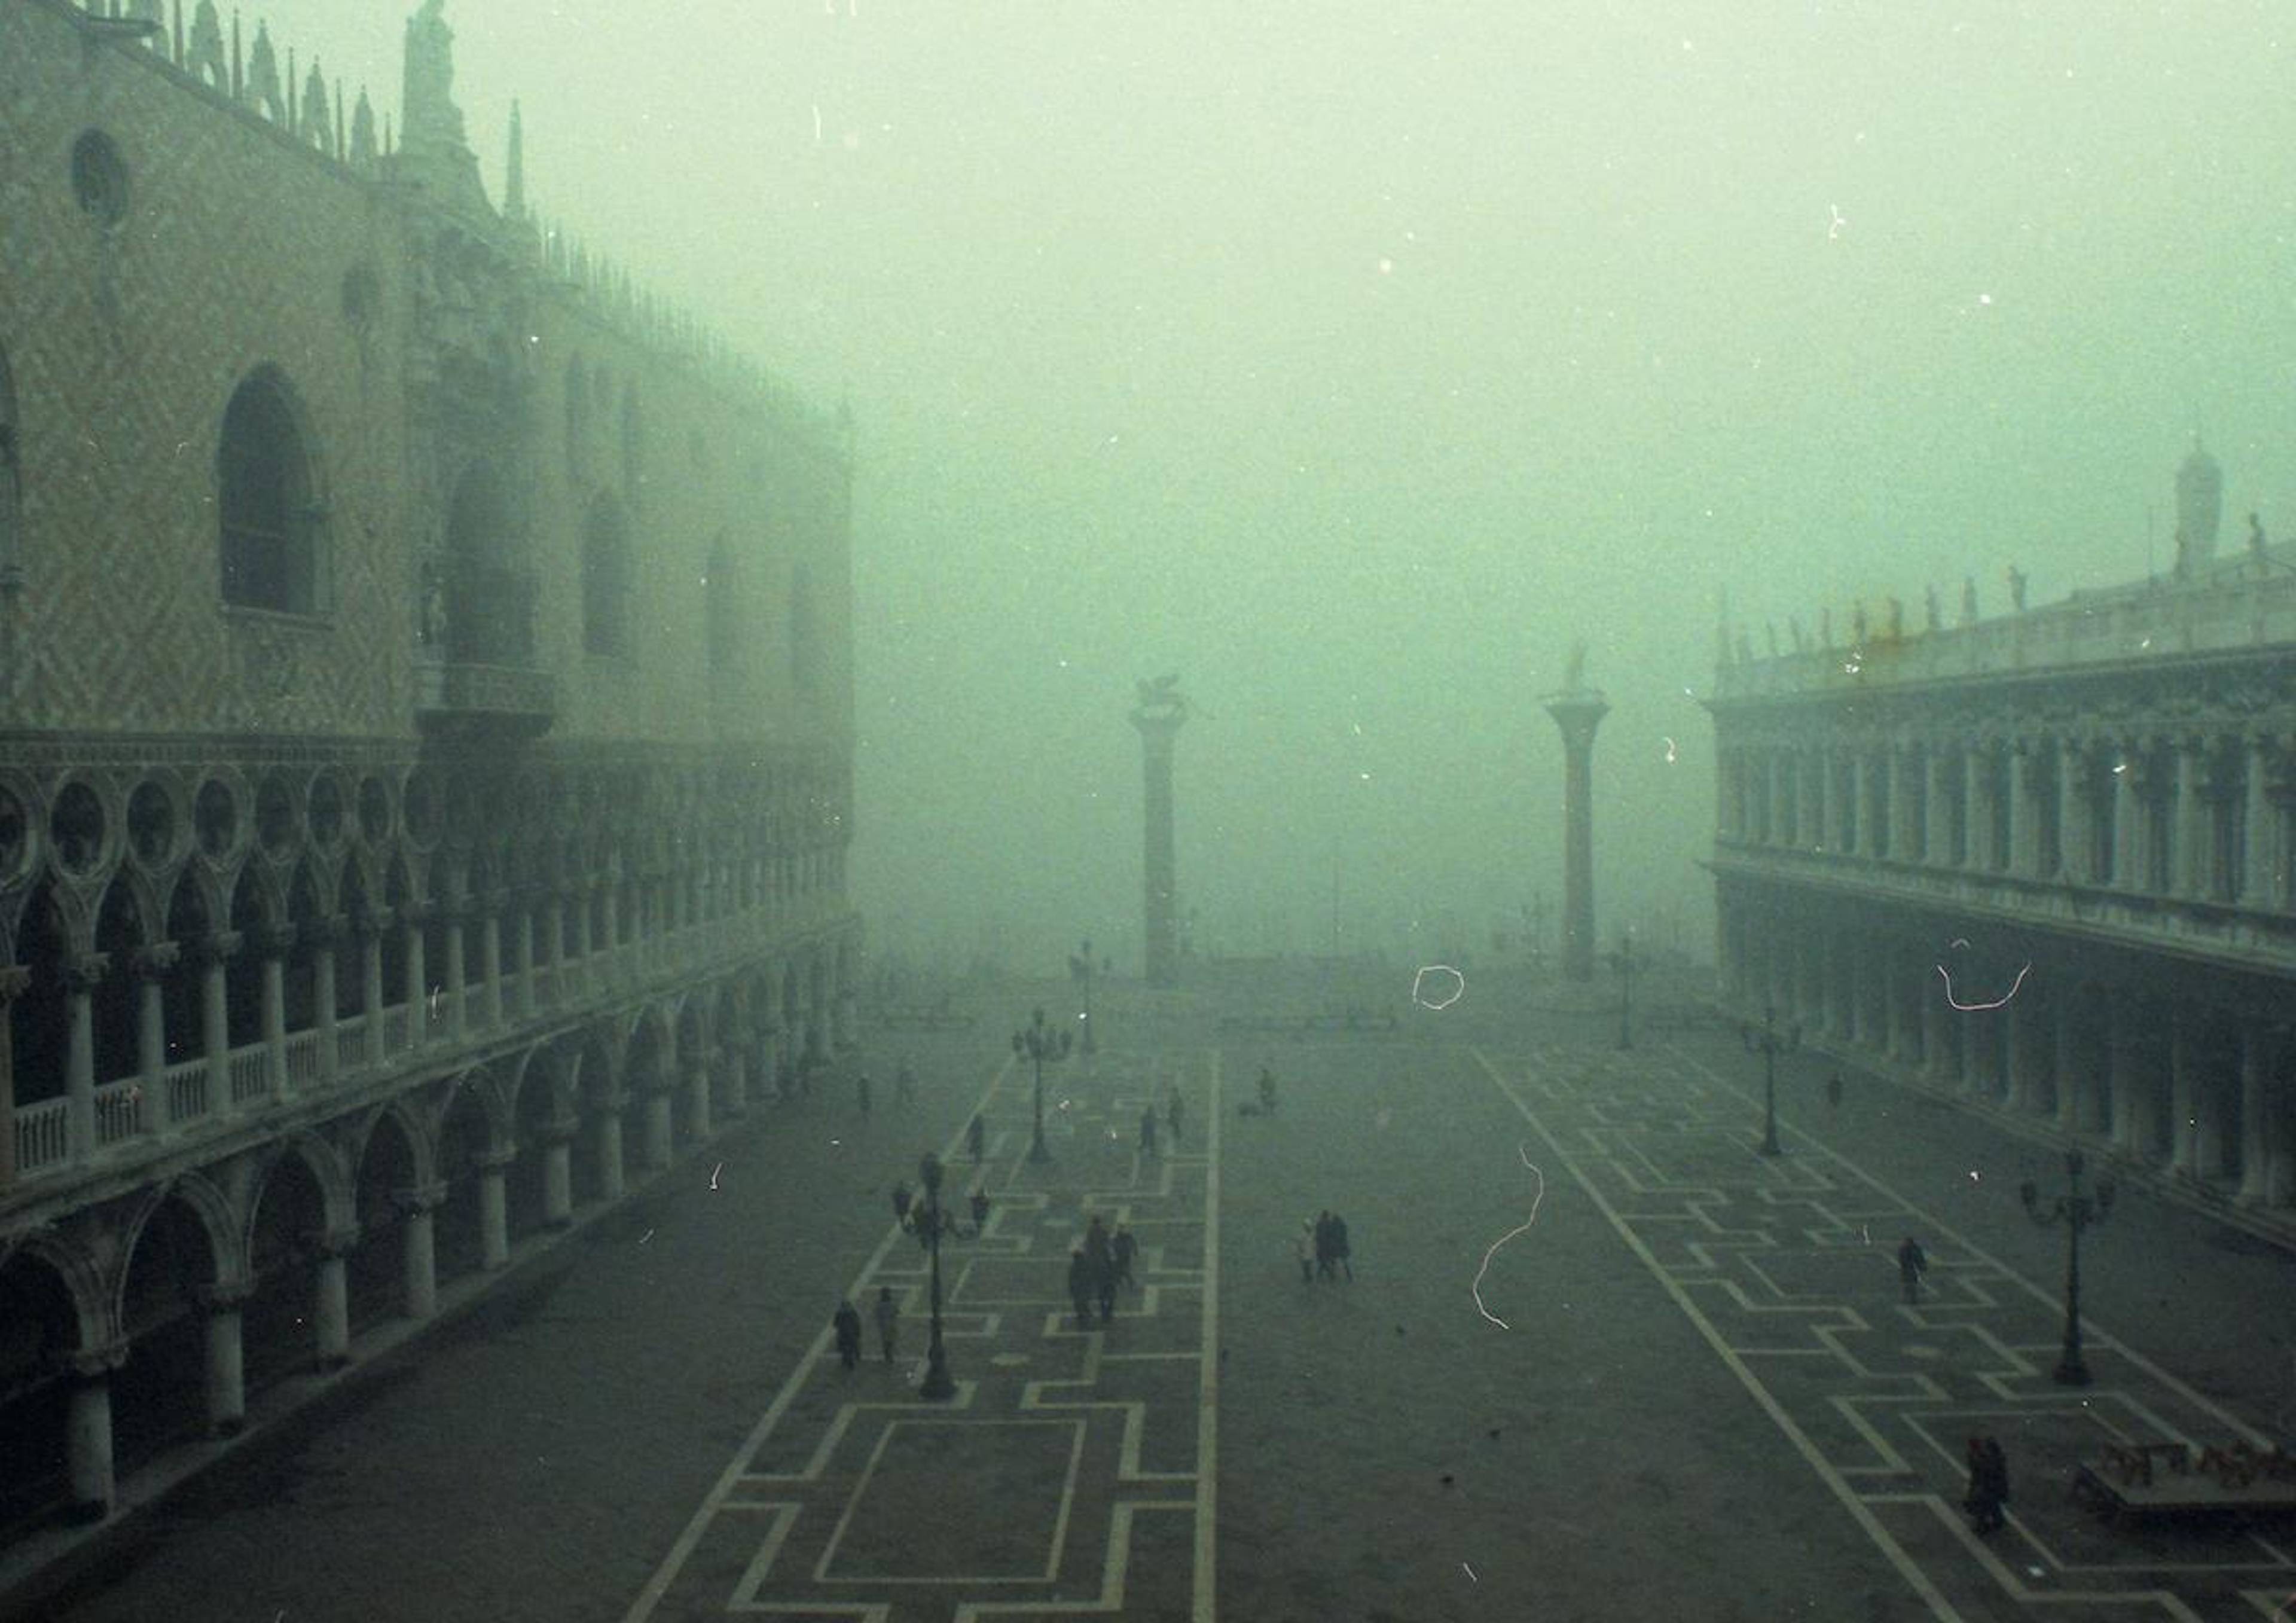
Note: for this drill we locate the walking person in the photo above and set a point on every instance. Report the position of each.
(861, 1092)
(903, 1197)
(848, 1325)
(905, 1084)
(1172, 1114)
(888, 1320)
(1339, 1246)
(1913, 1262)
(1301, 1249)
(1266, 1091)
(1834, 1092)
(1988, 1484)
(976, 1139)
(1121, 1249)
(1148, 1131)
(1324, 1246)
(1080, 1285)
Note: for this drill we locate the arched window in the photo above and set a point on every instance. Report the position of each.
(489, 607)
(605, 579)
(721, 615)
(269, 508)
(12, 484)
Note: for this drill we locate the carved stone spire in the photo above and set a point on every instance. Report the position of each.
(514, 171)
(432, 152)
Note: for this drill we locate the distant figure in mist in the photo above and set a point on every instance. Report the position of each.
(1080, 1286)
(905, 1084)
(1266, 1091)
(1122, 1248)
(861, 1092)
(888, 1322)
(1303, 1248)
(980, 1207)
(848, 1324)
(1148, 1130)
(1913, 1262)
(976, 1139)
(1339, 1252)
(1172, 1114)
(1834, 1092)
(903, 1198)
(1988, 1484)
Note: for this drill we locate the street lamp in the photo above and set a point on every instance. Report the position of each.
(1081, 969)
(936, 1383)
(2077, 1211)
(1770, 1046)
(1037, 1044)
(1623, 960)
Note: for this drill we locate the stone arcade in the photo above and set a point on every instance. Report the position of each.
(425, 664)
(2042, 859)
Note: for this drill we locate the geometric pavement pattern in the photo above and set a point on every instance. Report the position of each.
(1786, 1267)
(1071, 1474)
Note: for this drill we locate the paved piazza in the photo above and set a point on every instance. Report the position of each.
(1698, 1392)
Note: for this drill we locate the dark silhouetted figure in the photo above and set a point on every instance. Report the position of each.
(902, 1198)
(1148, 1131)
(1172, 1112)
(1340, 1247)
(905, 1084)
(976, 1139)
(1324, 1246)
(1913, 1262)
(1988, 1484)
(888, 1320)
(861, 1092)
(1833, 1091)
(1301, 1244)
(847, 1324)
(1080, 1286)
(1121, 1249)
(1266, 1091)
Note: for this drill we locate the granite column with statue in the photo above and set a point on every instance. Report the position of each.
(1157, 716)
(1578, 710)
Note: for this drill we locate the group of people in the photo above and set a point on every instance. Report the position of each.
(1174, 1112)
(846, 1323)
(1097, 1267)
(909, 1212)
(905, 1087)
(1321, 1247)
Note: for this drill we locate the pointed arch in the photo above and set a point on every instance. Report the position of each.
(269, 504)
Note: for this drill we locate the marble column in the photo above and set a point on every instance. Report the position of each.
(332, 1308)
(88, 1432)
(521, 956)
(418, 976)
(456, 1004)
(274, 942)
(490, 1003)
(154, 965)
(2073, 1086)
(370, 986)
(558, 1173)
(226, 1362)
(610, 1176)
(14, 977)
(493, 1208)
(2256, 1115)
(81, 976)
(2261, 886)
(214, 1018)
(2074, 832)
(659, 1136)
(325, 933)
(422, 1250)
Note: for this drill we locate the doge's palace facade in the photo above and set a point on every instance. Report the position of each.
(425, 728)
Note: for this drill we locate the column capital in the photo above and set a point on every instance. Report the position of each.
(338, 1242)
(96, 1363)
(156, 960)
(14, 978)
(369, 923)
(558, 1130)
(214, 948)
(495, 1160)
(275, 940)
(228, 1296)
(324, 930)
(419, 1199)
(83, 973)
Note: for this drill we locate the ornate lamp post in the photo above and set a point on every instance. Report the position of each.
(1081, 969)
(1770, 1046)
(2077, 1211)
(1037, 1044)
(936, 1383)
(1623, 960)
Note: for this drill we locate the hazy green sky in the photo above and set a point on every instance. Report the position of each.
(1351, 359)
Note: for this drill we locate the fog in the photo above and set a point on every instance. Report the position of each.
(1353, 359)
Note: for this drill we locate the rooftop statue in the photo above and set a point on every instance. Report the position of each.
(1574, 672)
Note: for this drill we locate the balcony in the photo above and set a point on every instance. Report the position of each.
(494, 701)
